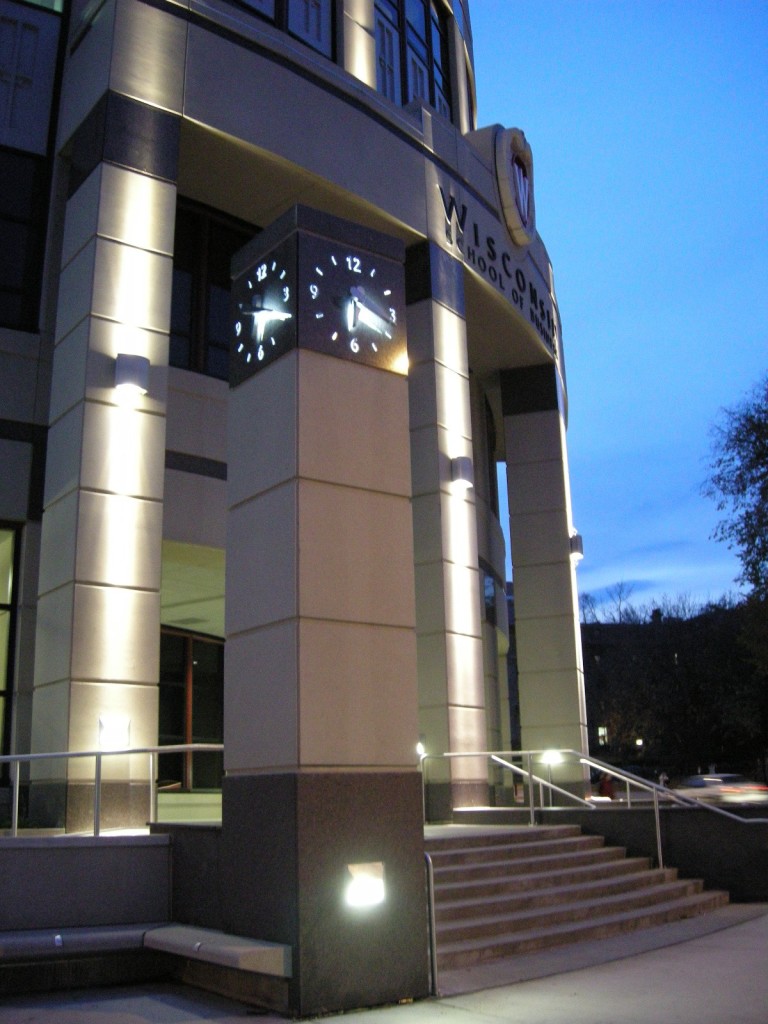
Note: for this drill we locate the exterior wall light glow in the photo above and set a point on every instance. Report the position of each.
(577, 547)
(551, 757)
(365, 887)
(114, 732)
(132, 373)
(462, 472)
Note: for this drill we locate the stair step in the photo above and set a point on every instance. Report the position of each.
(464, 953)
(533, 917)
(518, 851)
(454, 909)
(590, 854)
(504, 836)
(503, 884)
(522, 889)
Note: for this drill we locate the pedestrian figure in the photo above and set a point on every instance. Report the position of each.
(606, 786)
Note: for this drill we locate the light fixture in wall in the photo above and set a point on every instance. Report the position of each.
(365, 887)
(114, 731)
(462, 472)
(577, 547)
(132, 373)
(551, 757)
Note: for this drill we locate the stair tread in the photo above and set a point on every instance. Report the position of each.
(657, 894)
(513, 834)
(650, 876)
(518, 866)
(709, 898)
(494, 899)
(515, 851)
(617, 867)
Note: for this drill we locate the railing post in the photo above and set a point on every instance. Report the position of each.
(658, 827)
(97, 797)
(531, 790)
(15, 772)
(152, 788)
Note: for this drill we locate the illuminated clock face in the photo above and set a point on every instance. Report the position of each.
(264, 314)
(352, 304)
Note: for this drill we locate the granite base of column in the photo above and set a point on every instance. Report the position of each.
(288, 842)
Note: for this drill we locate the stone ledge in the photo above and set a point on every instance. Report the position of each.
(214, 947)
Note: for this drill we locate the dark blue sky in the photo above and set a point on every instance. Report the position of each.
(649, 127)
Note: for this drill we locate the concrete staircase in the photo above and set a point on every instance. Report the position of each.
(507, 891)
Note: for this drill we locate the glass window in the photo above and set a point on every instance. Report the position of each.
(265, 7)
(191, 709)
(387, 55)
(204, 244)
(7, 604)
(23, 209)
(29, 42)
(412, 52)
(310, 21)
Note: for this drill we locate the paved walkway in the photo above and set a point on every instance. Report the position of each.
(708, 970)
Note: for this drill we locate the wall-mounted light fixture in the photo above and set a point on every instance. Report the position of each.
(577, 547)
(551, 757)
(132, 373)
(365, 887)
(114, 731)
(462, 472)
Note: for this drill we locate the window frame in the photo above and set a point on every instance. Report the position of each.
(423, 75)
(196, 261)
(11, 608)
(190, 724)
(283, 15)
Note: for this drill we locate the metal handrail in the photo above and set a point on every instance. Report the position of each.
(435, 991)
(16, 760)
(658, 793)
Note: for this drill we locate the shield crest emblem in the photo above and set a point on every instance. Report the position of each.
(514, 175)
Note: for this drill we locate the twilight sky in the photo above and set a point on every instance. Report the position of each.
(649, 127)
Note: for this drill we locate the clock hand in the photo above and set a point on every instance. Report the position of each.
(262, 317)
(362, 309)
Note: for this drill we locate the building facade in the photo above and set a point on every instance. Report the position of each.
(291, 543)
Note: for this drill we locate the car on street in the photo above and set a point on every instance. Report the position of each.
(722, 788)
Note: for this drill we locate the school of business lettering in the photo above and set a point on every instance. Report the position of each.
(495, 264)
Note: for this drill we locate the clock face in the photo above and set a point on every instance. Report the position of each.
(352, 304)
(264, 313)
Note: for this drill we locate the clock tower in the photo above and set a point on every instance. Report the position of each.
(321, 693)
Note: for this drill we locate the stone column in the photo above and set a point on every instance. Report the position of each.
(320, 696)
(448, 617)
(98, 618)
(548, 638)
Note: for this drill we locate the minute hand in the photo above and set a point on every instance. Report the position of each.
(367, 311)
(262, 317)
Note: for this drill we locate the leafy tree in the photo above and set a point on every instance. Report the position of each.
(738, 483)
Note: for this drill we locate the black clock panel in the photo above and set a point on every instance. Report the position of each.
(351, 304)
(263, 312)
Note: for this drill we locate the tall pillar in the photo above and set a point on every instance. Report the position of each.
(448, 618)
(322, 788)
(548, 638)
(98, 618)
